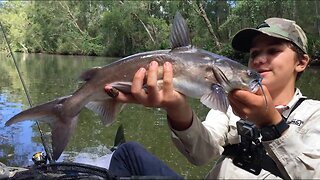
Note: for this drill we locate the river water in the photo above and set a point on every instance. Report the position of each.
(50, 76)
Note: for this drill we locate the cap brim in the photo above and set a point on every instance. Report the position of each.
(242, 41)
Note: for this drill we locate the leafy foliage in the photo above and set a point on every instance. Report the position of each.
(121, 28)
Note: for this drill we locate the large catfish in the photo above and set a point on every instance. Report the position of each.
(197, 73)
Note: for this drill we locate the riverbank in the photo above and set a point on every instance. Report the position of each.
(313, 62)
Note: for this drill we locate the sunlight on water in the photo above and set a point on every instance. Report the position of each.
(97, 156)
(16, 140)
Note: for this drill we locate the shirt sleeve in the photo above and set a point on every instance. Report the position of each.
(298, 150)
(202, 141)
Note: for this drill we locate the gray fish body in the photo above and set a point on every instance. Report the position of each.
(193, 74)
(197, 73)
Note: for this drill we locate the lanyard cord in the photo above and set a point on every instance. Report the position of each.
(49, 156)
(295, 106)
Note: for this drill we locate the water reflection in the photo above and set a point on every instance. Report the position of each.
(16, 141)
(46, 78)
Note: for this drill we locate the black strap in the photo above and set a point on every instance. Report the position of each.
(296, 105)
(264, 162)
(267, 163)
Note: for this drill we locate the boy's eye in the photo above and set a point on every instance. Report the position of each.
(273, 51)
(254, 54)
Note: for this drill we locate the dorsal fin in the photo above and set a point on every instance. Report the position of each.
(87, 75)
(179, 32)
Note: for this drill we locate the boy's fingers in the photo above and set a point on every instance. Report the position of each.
(245, 97)
(167, 78)
(152, 81)
(137, 89)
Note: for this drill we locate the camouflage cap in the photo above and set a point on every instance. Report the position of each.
(275, 27)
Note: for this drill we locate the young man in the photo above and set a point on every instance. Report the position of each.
(288, 124)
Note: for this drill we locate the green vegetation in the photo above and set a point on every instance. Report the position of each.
(121, 28)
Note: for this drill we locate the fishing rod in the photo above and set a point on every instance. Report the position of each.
(49, 155)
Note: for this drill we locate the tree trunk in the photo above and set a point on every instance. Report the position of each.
(143, 24)
(25, 49)
(317, 18)
(145, 27)
(203, 14)
(73, 19)
(294, 10)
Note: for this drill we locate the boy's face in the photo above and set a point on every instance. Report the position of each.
(275, 61)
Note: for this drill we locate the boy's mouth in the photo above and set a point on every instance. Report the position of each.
(263, 72)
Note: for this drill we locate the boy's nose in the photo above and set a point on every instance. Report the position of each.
(261, 59)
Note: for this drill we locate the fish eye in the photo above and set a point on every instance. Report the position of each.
(249, 72)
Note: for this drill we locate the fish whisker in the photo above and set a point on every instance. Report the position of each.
(264, 95)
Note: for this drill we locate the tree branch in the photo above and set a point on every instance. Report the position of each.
(73, 19)
(203, 14)
(143, 24)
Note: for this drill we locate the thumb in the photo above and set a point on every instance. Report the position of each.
(112, 92)
(263, 92)
(118, 95)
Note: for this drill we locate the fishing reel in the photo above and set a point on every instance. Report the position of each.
(39, 158)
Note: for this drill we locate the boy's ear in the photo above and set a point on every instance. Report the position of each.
(302, 64)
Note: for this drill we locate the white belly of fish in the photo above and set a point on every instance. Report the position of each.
(191, 88)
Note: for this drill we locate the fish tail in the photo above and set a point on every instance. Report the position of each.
(62, 124)
(61, 134)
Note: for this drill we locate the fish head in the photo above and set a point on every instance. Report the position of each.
(226, 75)
(233, 75)
(250, 80)
(255, 82)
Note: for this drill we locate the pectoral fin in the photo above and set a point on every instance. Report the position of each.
(107, 110)
(217, 99)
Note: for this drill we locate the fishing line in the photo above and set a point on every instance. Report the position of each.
(49, 156)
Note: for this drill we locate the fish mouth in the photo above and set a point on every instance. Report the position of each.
(255, 84)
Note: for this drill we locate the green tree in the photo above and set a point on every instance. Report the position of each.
(121, 28)
(14, 20)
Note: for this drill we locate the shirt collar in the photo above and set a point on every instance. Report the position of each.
(297, 95)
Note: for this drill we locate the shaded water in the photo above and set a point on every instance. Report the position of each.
(51, 76)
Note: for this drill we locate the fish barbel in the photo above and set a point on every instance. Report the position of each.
(197, 73)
